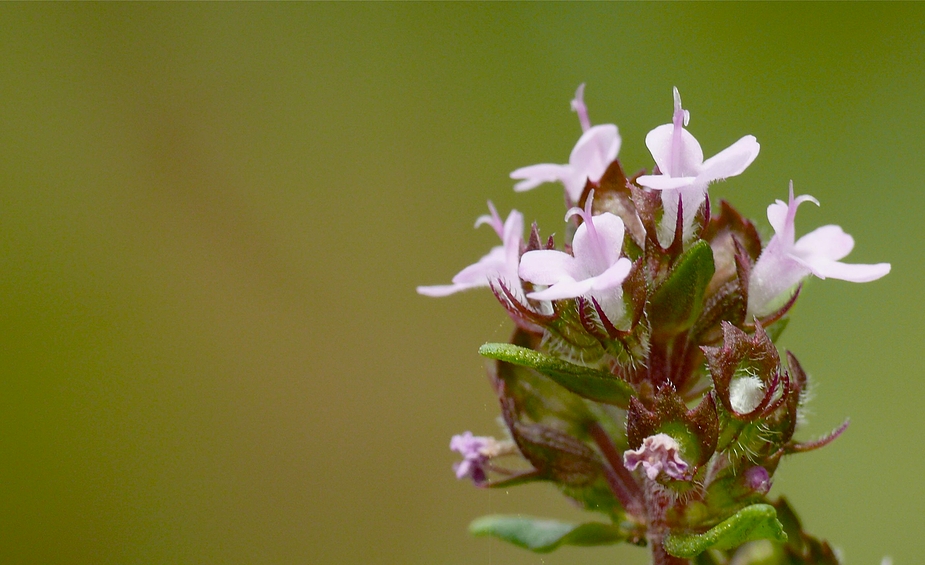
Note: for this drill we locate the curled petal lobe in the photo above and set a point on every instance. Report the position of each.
(578, 106)
(565, 288)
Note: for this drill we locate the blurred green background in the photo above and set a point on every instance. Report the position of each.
(213, 218)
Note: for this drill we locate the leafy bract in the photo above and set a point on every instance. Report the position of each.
(593, 384)
(758, 521)
(543, 536)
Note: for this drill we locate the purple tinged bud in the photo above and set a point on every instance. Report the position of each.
(758, 480)
(658, 453)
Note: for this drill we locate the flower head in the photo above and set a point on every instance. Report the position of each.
(500, 263)
(596, 149)
(658, 453)
(476, 452)
(785, 262)
(595, 269)
(683, 174)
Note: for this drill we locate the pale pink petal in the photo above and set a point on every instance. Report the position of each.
(612, 277)
(546, 266)
(777, 215)
(825, 243)
(493, 219)
(664, 182)
(850, 272)
(595, 150)
(565, 288)
(659, 143)
(606, 250)
(731, 161)
(535, 175)
(442, 289)
(480, 274)
(488, 266)
(512, 236)
(513, 227)
(783, 263)
(574, 182)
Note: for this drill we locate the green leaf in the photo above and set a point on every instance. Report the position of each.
(543, 536)
(678, 301)
(592, 384)
(758, 521)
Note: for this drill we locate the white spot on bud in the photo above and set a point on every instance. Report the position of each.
(746, 393)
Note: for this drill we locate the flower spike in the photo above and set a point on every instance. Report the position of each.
(642, 378)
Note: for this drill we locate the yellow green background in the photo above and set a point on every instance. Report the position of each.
(213, 218)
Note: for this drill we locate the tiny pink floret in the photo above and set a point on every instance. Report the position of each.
(596, 149)
(501, 263)
(658, 453)
(683, 173)
(594, 270)
(786, 261)
(476, 452)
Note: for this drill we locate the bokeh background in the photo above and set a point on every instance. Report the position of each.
(213, 218)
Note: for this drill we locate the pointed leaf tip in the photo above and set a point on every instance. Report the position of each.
(758, 521)
(593, 384)
(543, 536)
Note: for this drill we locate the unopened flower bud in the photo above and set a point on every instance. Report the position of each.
(758, 480)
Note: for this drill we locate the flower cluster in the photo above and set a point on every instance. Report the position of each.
(642, 378)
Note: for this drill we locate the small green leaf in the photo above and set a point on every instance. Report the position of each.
(758, 521)
(543, 536)
(678, 301)
(592, 384)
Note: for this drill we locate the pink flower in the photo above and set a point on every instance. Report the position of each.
(596, 149)
(477, 451)
(657, 453)
(595, 270)
(784, 263)
(500, 263)
(683, 174)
